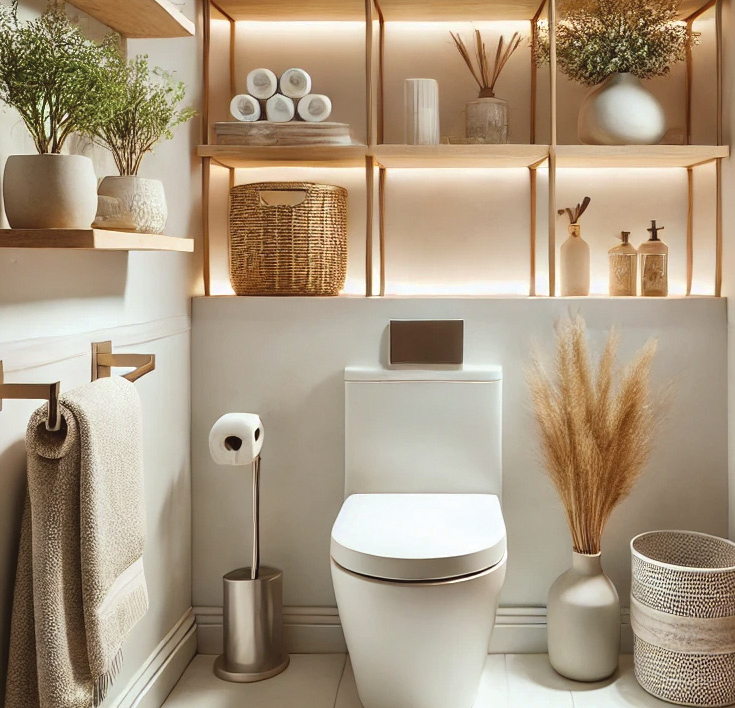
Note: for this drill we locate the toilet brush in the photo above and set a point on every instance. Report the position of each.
(253, 597)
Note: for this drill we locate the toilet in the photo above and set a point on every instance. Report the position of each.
(418, 550)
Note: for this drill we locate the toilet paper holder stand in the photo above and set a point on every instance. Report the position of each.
(252, 611)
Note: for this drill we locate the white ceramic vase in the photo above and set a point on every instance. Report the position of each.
(486, 121)
(49, 191)
(620, 111)
(583, 621)
(575, 264)
(131, 204)
(421, 112)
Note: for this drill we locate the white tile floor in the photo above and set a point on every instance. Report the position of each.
(326, 681)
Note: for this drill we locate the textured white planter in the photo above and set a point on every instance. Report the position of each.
(575, 264)
(49, 191)
(131, 204)
(583, 621)
(486, 121)
(620, 111)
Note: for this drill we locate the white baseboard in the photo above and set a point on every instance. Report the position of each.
(156, 678)
(317, 630)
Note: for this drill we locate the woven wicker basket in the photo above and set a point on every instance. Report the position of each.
(284, 246)
(683, 617)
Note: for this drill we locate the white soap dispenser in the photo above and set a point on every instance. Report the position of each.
(654, 265)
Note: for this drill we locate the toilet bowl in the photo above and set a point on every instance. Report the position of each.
(418, 550)
(417, 579)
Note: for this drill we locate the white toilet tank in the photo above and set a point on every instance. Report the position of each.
(423, 431)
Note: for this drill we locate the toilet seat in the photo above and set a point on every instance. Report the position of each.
(415, 537)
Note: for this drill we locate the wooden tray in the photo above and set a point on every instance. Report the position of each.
(295, 133)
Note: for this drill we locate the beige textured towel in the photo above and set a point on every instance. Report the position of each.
(80, 586)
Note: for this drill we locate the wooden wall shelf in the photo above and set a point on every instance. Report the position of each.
(298, 10)
(139, 18)
(234, 156)
(638, 155)
(460, 155)
(92, 240)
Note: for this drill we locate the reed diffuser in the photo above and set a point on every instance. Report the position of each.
(486, 118)
(575, 254)
(596, 428)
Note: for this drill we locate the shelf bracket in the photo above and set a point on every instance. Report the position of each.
(103, 361)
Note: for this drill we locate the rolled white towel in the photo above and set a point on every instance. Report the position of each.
(280, 109)
(295, 83)
(315, 108)
(262, 83)
(246, 108)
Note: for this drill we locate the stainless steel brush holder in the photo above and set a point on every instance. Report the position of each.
(253, 626)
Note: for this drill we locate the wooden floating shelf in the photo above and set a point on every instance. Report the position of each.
(92, 240)
(638, 155)
(307, 156)
(428, 156)
(481, 156)
(298, 10)
(392, 10)
(139, 18)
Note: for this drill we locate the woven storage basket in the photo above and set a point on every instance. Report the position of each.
(683, 617)
(282, 249)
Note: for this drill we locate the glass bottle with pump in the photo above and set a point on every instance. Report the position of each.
(654, 265)
(623, 267)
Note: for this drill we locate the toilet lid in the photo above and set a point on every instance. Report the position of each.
(418, 536)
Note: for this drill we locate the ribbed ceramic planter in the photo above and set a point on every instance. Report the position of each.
(583, 621)
(620, 111)
(131, 204)
(49, 191)
(682, 610)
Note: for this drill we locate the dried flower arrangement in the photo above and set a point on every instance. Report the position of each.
(596, 436)
(597, 38)
(576, 214)
(485, 78)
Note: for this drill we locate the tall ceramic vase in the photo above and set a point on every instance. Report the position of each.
(620, 111)
(575, 264)
(583, 621)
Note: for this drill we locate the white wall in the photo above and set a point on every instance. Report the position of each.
(54, 304)
(284, 359)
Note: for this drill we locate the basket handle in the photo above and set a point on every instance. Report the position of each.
(282, 197)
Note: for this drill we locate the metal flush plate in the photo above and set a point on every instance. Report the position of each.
(426, 341)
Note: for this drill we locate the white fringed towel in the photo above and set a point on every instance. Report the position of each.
(80, 586)
(315, 108)
(295, 83)
(280, 109)
(261, 83)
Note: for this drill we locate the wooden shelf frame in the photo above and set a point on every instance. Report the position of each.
(378, 158)
(92, 240)
(137, 19)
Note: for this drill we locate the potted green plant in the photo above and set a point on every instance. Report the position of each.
(54, 77)
(610, 45)
(144, 111)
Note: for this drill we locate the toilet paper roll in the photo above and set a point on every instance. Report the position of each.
(295, 83)
(245, 108)
(280, 109)
(236, 439)
(262, 83)
(315, 108)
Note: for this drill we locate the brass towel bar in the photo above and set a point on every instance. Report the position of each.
(103, 361)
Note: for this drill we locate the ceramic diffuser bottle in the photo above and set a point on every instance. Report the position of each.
(486, 118)
(654, 265)
(576, 405)
(575, 255)
(623, 267)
